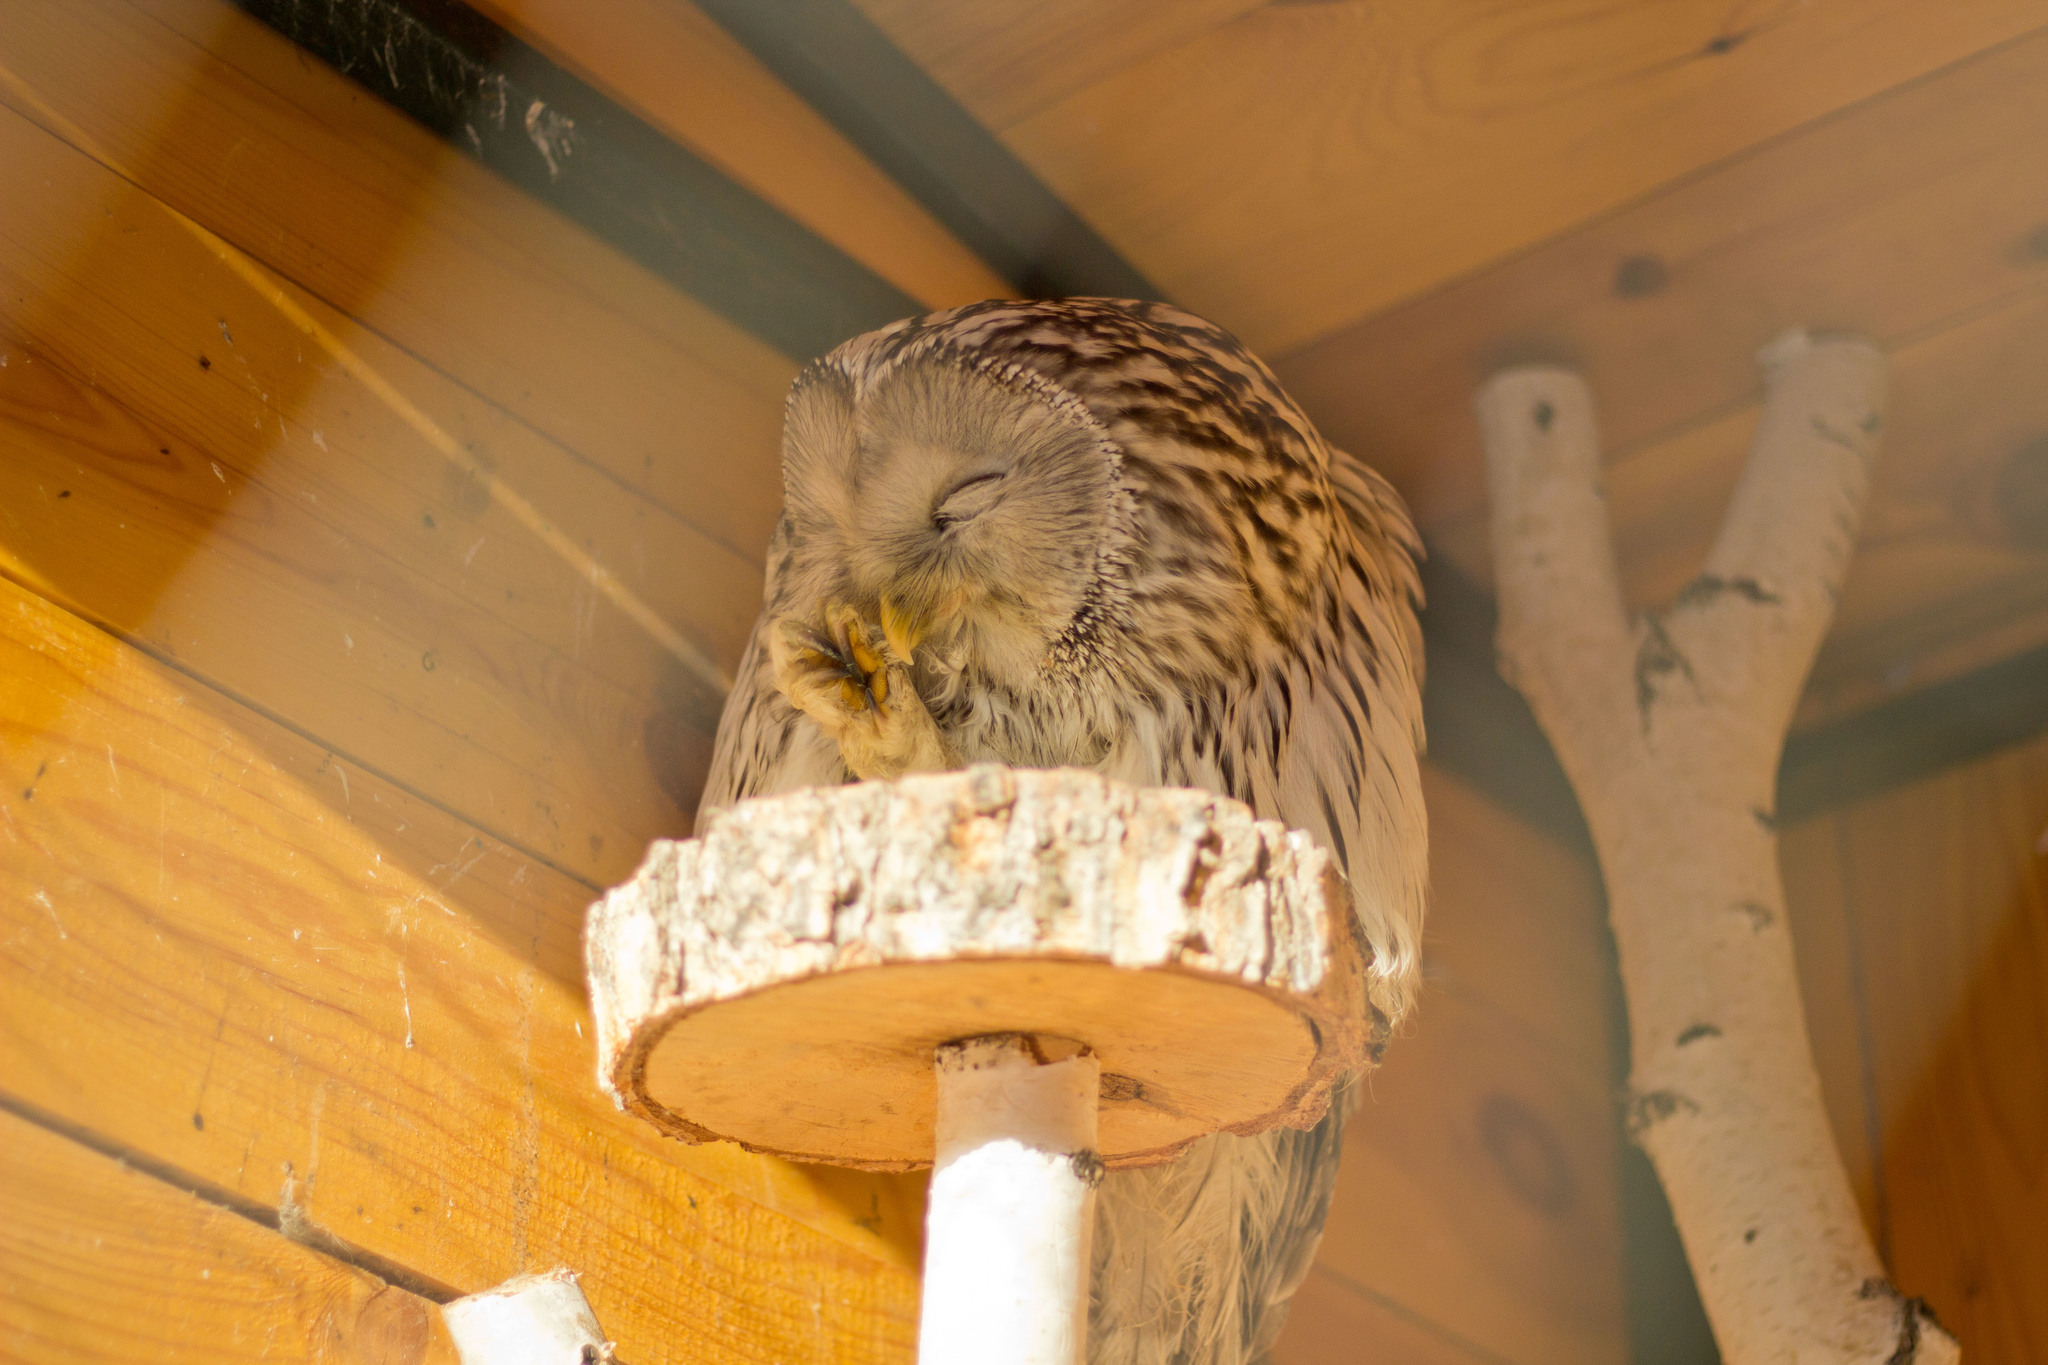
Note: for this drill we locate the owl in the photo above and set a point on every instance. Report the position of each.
(1094, 533)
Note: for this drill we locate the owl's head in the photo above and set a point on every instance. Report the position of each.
(968, 506)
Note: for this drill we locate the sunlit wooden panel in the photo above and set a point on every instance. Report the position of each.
(264, 966)
(102, 1265)
(190, 467)
(226, 121)
(1007, 59)
(1303, 166)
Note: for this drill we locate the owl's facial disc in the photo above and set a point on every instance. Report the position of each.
(974, 512)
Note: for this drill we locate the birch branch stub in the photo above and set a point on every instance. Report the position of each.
(784, 980)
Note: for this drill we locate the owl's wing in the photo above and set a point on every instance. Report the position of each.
(1348, 772)
(1196, 1260)
(764, 744)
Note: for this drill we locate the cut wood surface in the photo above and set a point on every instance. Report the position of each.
(1304, 166)
(185, 465)
(264, 966)
(226, 121)
(834, 938)
(1922, 918)
(676, 68)
(101, 1264)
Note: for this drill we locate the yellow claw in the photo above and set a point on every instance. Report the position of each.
(903, 630)
(864, 656)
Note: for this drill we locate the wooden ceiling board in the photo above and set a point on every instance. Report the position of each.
(1922, 206)
(1947, 575)
(1007, 59)
(674, 67)
(1304, 166)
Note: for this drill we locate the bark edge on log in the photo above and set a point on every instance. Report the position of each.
(1064, 869)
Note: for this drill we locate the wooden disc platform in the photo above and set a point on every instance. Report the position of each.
(783, 980)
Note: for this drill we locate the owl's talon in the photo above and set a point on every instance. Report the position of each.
(837, 669)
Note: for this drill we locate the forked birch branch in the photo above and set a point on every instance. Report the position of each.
(1670, 727)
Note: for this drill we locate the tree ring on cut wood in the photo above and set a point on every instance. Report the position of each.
(784, 980)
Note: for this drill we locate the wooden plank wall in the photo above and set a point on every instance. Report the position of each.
(1475, 1219)
(102, 1265)
(317, 734)
(1921, 918)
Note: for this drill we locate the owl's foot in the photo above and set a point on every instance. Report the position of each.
(844, 674)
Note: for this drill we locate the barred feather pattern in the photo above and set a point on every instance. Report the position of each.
(1233, 609)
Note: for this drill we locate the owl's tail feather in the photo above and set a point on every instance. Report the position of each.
(1195, 1260)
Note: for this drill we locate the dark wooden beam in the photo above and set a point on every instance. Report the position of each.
(847, 69)
(498, 100)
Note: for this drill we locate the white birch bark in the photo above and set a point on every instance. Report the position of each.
(528, 1320)
(1012, 1205)
(1670, 728)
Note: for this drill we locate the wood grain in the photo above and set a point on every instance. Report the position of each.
(1518, 921)
(677, 69)
(1006, 59)
(1906, 214)
(1493, 1094)
(1945, 578)
(225, 121)
(1477, 1192)
(365, 1012)
(1943, 891)
(102, 1263)
(1307, 165)
(185, 465)
(1331, 1319)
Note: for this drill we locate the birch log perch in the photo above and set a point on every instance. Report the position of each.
(1670, 728)
(1029, 976)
